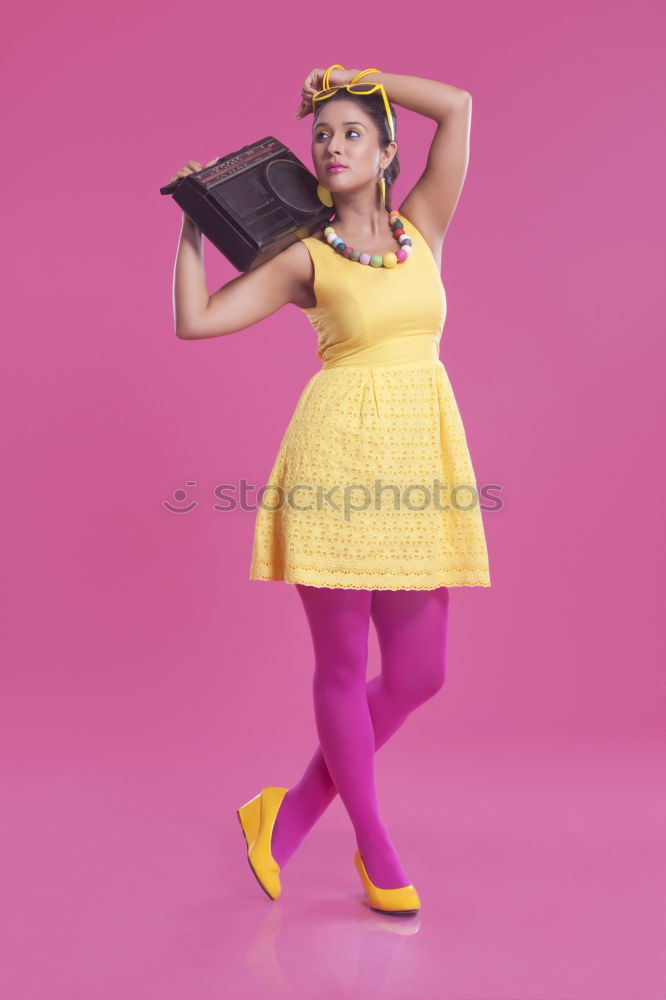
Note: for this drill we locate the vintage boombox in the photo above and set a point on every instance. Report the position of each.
(253, 203)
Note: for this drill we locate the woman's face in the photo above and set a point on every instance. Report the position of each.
(342, 131)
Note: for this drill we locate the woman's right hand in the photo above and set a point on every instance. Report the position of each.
(191, 167)
(313, 82)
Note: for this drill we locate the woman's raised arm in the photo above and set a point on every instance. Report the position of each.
(241, 302)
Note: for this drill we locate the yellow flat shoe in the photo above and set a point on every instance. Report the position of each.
(257, 818)
(402, 901)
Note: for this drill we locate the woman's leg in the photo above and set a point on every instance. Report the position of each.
(412, 631)
(339, 620)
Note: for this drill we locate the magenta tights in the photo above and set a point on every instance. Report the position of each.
(355, 717)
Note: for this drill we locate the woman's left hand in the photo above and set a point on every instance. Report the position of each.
(313, 82)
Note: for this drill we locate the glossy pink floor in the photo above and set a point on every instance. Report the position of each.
(540, 869)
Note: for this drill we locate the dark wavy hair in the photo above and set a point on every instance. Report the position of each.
(374, 107)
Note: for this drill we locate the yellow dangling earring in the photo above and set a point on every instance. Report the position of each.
(324, 195)
(382, 188)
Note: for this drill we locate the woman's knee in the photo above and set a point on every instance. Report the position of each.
(342, 663)
(418, 679)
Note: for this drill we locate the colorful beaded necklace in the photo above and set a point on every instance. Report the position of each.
(374, 259)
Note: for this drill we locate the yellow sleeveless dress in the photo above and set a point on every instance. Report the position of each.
(373, 486)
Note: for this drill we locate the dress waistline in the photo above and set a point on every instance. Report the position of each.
(388, 354)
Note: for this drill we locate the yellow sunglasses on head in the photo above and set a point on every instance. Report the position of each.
(353, 88)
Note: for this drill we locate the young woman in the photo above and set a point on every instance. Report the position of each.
(375, 513)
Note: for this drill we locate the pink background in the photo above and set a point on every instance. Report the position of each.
(149, 688)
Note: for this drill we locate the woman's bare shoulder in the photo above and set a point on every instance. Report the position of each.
(298, 258)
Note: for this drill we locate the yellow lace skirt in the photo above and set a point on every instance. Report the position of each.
(373, 486)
